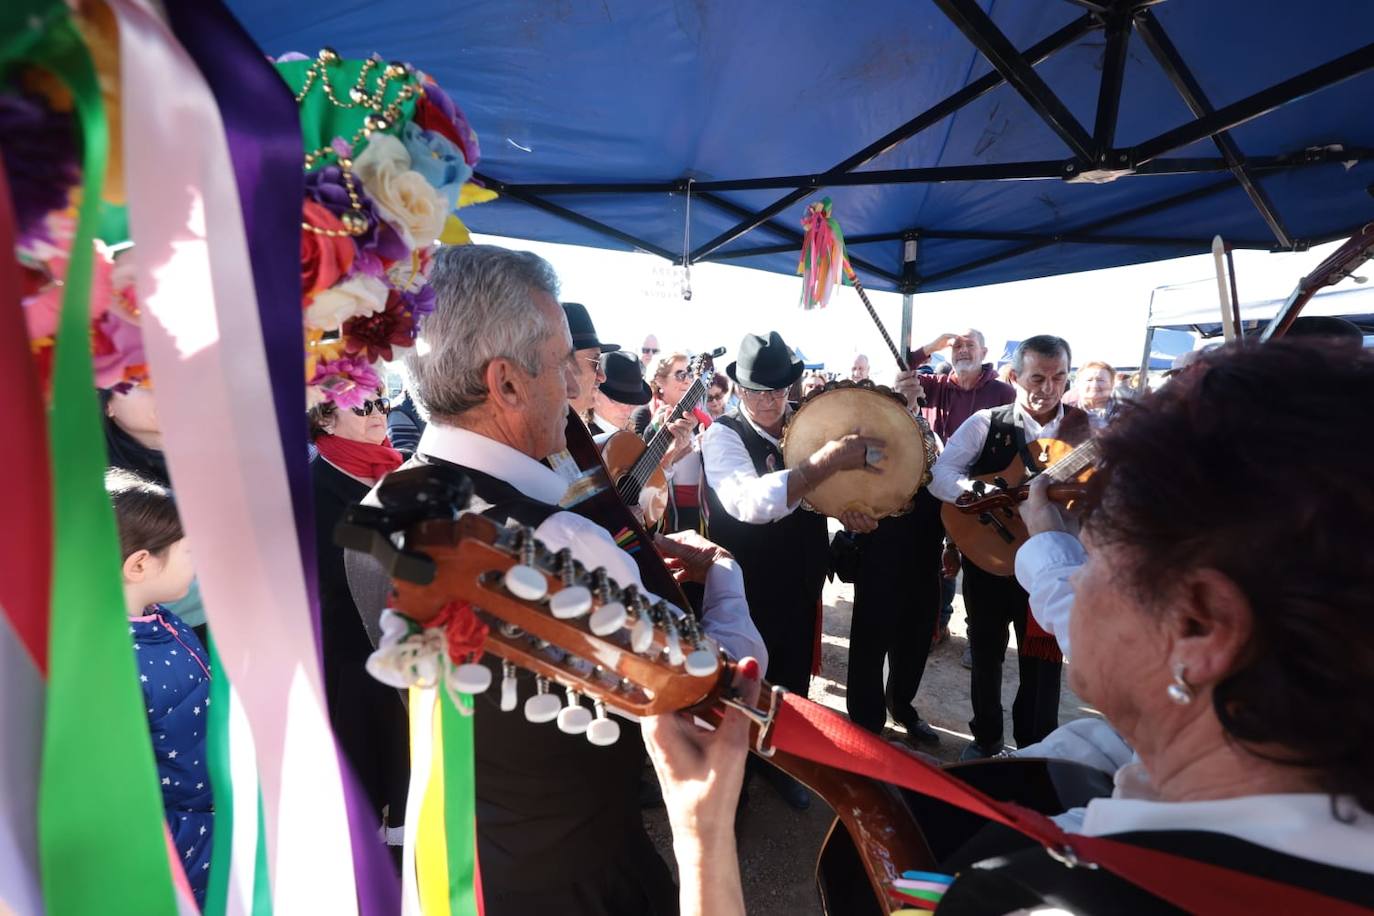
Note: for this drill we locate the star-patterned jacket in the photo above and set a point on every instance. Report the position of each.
(174, 672)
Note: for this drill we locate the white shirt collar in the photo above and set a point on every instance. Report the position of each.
(606, 425)
(1033, 427)
(473, 450)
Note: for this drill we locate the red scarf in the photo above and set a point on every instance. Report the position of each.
(361, 459)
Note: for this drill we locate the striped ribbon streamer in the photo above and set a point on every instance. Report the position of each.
(98, 778)
(25, 558)
(203, 337)
(262, 126)
(440, 861)
(238, 858)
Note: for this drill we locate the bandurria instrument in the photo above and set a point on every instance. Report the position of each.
(985, 525)
(844, 407)
(634, 465)
(464, 584)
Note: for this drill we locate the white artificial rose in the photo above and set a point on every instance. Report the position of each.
(359, 295)
(402, 196)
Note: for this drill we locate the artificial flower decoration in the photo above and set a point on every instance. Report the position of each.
(389, 162)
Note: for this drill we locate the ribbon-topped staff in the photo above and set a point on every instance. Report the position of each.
(824, 264)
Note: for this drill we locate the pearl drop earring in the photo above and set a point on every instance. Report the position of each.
(1179, 691)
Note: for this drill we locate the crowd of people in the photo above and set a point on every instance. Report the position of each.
(1216, 605)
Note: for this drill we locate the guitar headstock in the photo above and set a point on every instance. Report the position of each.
(703, 365)
(574, 628)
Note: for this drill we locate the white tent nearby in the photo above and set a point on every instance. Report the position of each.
(1193, 307)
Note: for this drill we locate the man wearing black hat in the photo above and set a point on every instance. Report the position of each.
(753, 510)
(622, 390)
(587, 350)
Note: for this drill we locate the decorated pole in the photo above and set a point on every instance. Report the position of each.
(824, 264)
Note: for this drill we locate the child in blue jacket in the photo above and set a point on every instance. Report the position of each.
(173, 668)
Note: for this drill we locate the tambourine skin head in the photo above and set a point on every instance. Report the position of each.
(838, 410)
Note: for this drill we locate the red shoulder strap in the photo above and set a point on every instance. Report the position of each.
(806, 729)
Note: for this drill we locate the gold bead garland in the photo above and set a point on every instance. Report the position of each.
(381, 116)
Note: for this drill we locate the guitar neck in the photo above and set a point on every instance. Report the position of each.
(658, 445)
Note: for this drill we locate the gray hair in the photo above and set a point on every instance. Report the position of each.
(982, 341)
(1043, 344)
(483, 310)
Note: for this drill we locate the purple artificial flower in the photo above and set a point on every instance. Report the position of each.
(38, 150)
(420, 302)
(325, 185)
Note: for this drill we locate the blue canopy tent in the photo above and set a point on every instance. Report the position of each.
(963, 142)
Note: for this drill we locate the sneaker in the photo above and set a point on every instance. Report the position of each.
(976, 751)
(967, 659)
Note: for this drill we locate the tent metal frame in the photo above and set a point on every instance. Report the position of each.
(1093, 155)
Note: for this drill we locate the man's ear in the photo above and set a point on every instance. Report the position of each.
(505, 382)
(1210, 621)
(136, 565)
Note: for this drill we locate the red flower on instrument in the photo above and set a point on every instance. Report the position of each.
(373, 336)
(464, 633)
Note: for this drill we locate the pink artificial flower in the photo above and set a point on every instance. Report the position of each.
(347, 381)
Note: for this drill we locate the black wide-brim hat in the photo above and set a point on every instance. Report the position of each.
(624, 378)
(583, 331)
(764, 364)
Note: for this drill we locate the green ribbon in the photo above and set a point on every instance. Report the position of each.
(222, 784)
(460, 805)
(101, 834)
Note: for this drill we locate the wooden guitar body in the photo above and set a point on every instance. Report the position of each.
(620, 453)
(990, 537)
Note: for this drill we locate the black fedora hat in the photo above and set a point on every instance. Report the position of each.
(764, 364)
(583, 331)
(624, 378)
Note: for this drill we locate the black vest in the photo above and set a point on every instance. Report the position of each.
(784, 561)
(551, 808)
(1007, 439)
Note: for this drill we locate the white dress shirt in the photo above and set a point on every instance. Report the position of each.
(949, 478)
(725, 615)
(1296, 824)
(1044, 565)
(730, 472)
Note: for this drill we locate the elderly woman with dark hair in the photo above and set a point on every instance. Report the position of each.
(1221, 620)
(352, 454)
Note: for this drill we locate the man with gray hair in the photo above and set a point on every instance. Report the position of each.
(558, 820)
(985, 444)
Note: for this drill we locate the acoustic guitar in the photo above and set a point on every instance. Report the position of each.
(985, 525)
(605, 646)
(633, 464)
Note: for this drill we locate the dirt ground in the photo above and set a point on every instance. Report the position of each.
(778, 846)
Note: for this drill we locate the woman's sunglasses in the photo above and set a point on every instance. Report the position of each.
(382, 404)
(648, 351)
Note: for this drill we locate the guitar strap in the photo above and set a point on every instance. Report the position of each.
(811, 731)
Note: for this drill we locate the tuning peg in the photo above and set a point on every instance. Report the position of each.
(543, 706)
(607, 619)
(603, 731)
(470, 678)
(523, 580)
(701, 663)
(572, 600)
(509, 688)
(642, 634)
(673, 637)
(574, 718)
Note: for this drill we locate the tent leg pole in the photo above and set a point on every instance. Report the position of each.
(910, 247)
(1142, 377)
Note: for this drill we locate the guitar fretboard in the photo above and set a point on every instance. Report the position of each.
(1074, 463)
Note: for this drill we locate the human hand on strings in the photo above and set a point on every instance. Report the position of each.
(701, 772)
(681, 429)
(1039, 512)
(908, 385)
(688, 555)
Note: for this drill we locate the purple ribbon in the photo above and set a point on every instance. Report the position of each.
(262, 125)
